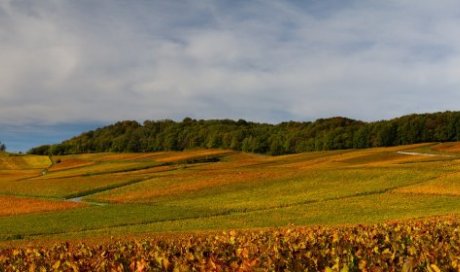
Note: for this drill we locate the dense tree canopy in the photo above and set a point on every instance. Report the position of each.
(283, 138)
(2, 147)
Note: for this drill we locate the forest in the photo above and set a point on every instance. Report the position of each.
(274, 139)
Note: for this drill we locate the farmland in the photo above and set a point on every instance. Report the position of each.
(429, 245)
(200, 190)
(91, 197)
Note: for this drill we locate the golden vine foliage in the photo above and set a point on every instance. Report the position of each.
(423, 245)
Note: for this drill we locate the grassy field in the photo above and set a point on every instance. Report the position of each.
(201, 190)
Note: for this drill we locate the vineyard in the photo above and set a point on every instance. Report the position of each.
(420, 245)
(222, 210)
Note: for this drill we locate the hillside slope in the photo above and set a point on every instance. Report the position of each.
(125, 193)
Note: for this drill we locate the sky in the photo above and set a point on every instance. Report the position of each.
(69, 66)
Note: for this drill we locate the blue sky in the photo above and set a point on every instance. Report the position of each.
(23, 137)
(69, 66)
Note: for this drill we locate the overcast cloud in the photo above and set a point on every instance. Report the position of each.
(69, 62)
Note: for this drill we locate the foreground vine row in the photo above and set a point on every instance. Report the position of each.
(422, 245)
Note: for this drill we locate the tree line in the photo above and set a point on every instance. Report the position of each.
(275, 139)
(2, 147)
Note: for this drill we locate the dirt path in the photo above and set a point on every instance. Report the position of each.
(424, 154)
(80, 200)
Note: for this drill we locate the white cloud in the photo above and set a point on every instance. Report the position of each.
(73, 61)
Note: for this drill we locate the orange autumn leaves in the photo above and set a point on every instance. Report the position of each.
(10, 205)
(419, 245)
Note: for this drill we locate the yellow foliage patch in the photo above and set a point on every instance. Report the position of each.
(444, 185)
(13, 162)
(186, 182)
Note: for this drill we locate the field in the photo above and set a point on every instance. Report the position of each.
(91, 197)
(429, 245)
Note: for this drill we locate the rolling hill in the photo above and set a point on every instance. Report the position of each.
(209, 189)
(391, 208)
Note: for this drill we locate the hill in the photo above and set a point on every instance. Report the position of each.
(213, 208)
(284, 138)
(125, 193)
